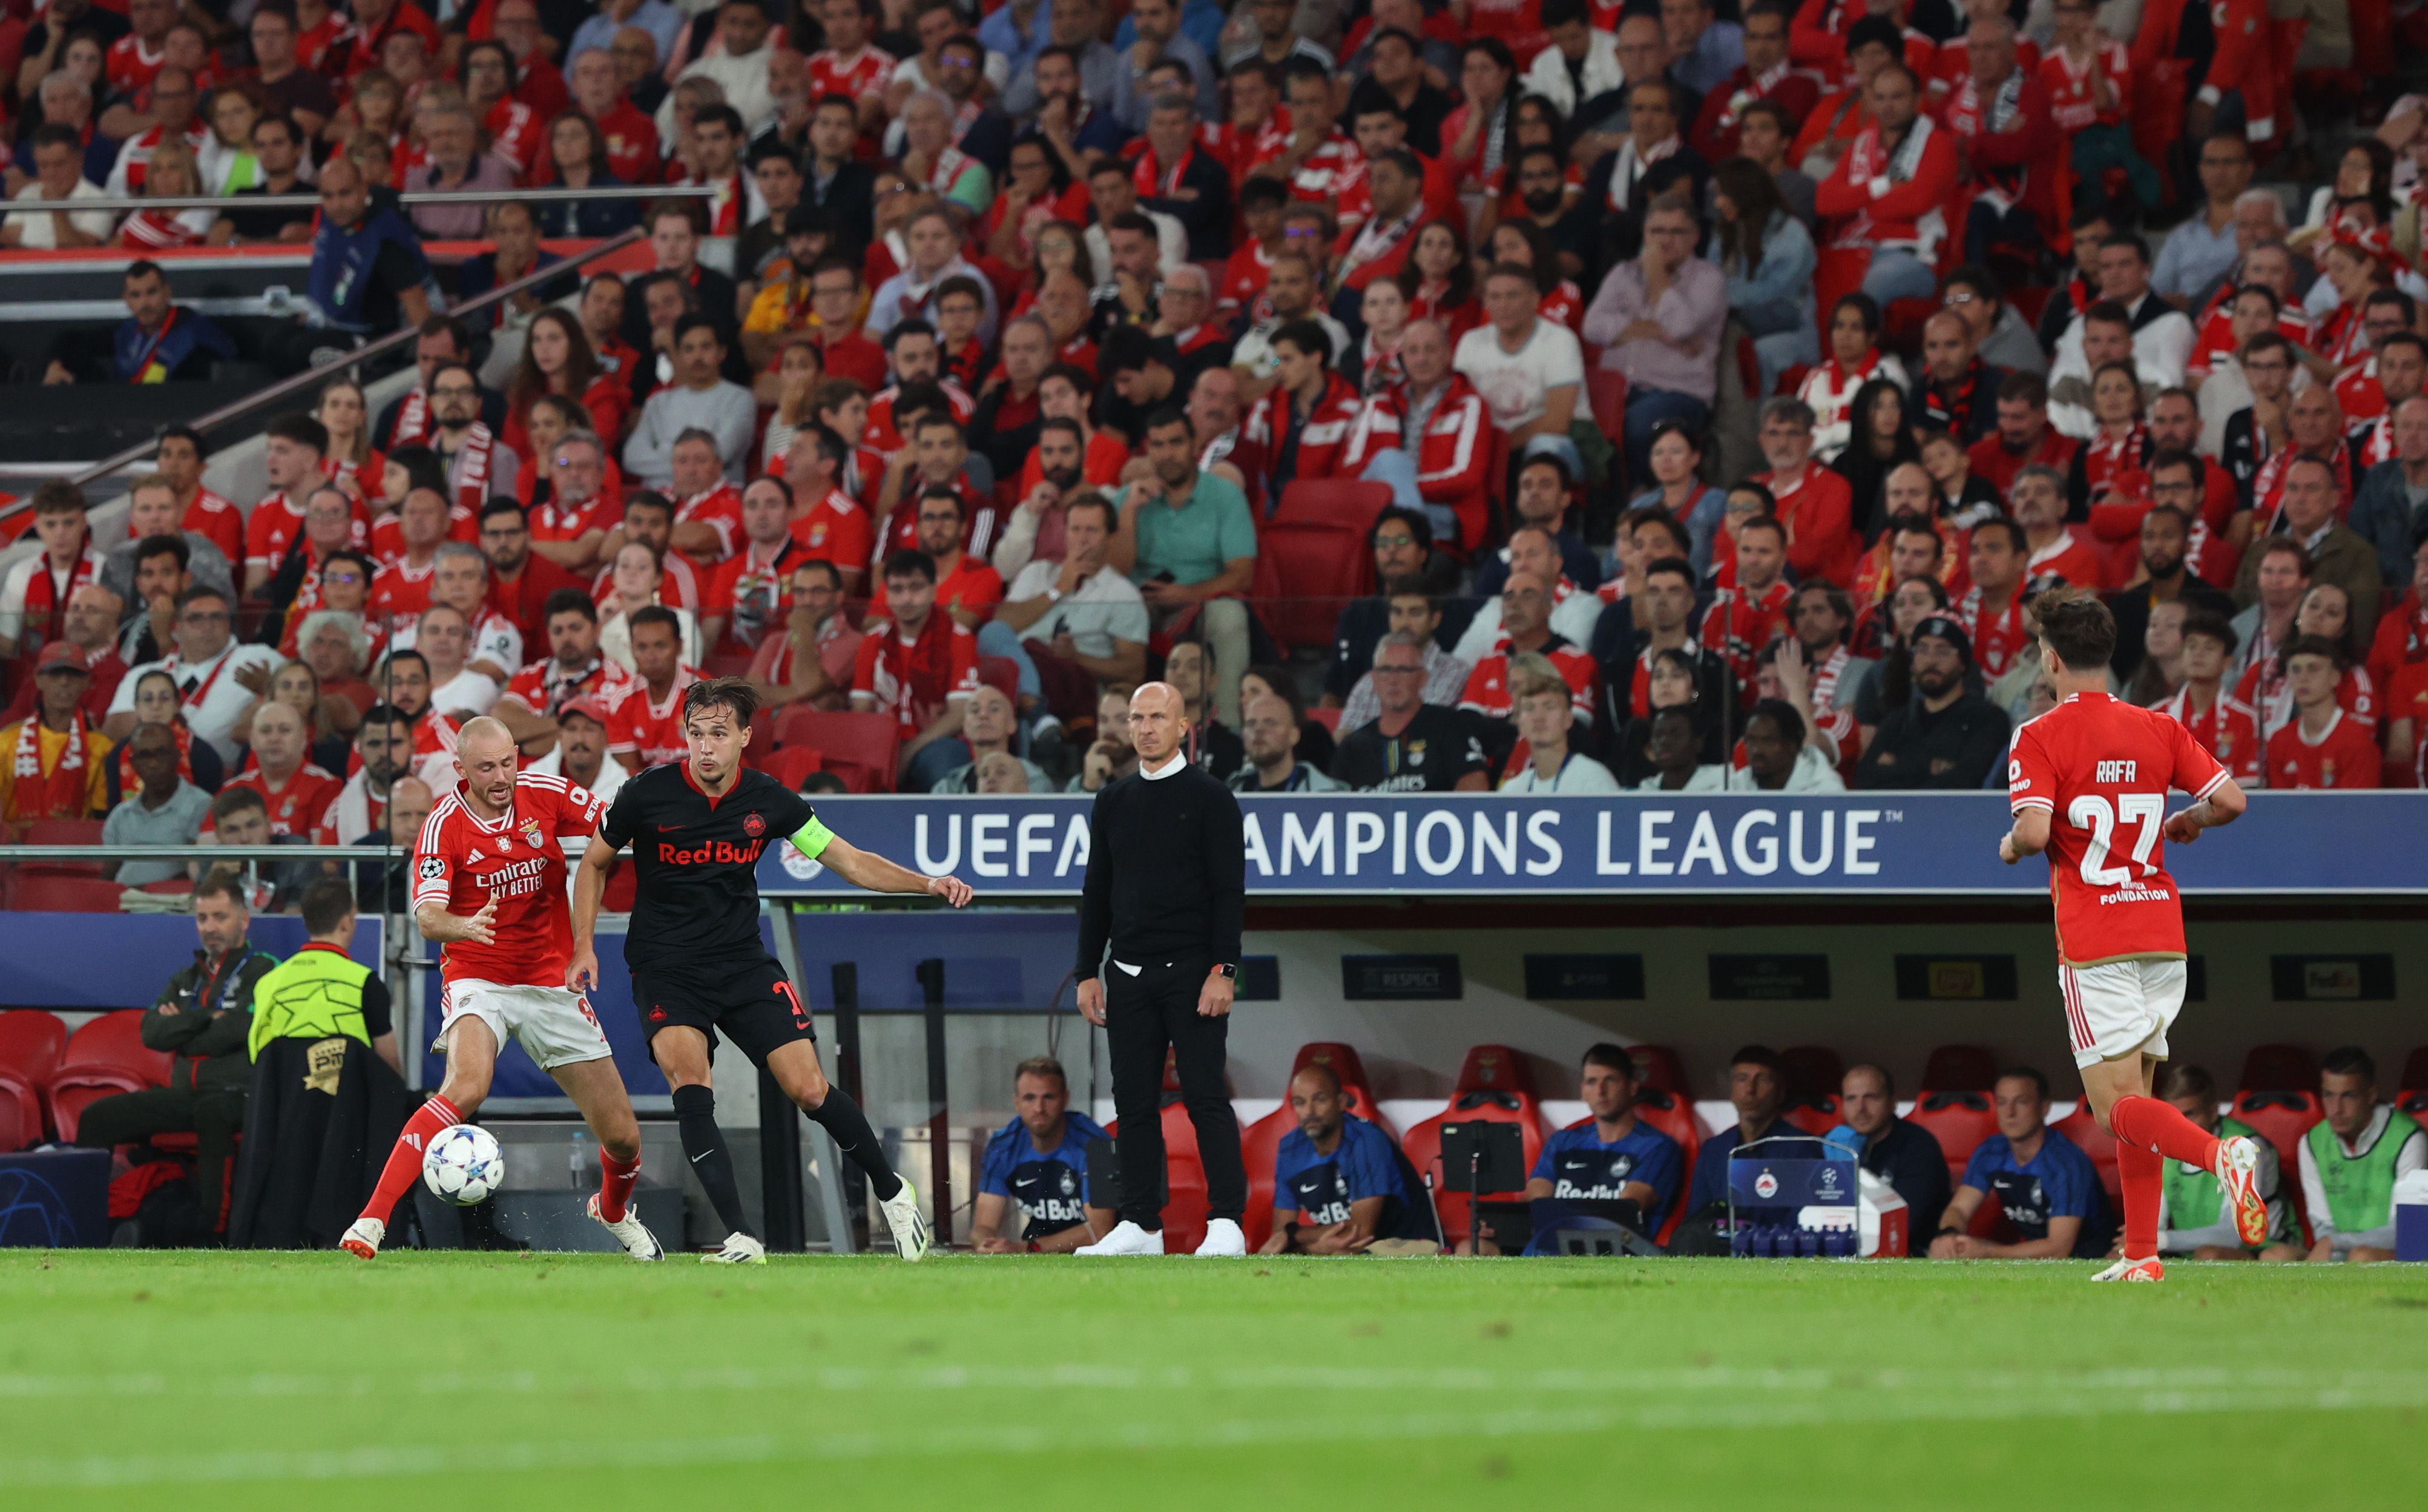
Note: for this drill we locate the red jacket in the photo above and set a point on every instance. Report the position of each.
(2245, 56)
(2005, 161)
(1910, 213)
(1452, 459)
(1326, 443)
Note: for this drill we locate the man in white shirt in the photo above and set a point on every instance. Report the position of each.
(1530, 371)
(581, 754)
(933, 241)
(212, 674)
(494, 648)
(58, 175)
(739, 65)
(2162, 335)
(1089, 617)
(1536, 551)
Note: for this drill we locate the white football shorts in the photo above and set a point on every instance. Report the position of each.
(555, 1024)
(2119, 1007)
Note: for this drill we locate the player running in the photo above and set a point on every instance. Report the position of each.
(697, 828)
(2088, 784)
(488, 888)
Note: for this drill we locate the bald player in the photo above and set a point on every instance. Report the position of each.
(489, 890)
(1337, 1188)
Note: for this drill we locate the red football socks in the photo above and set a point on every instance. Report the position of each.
(403, 1166)
(2142, 1171)
(2156, 1126)
(616, 1178)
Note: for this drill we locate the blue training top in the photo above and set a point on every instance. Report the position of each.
(2058, 1182)
(1051, 1186)
(1322, 1186)
(1581, 1167)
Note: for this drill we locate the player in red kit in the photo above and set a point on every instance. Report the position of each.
(489, 887)
(2088, 784)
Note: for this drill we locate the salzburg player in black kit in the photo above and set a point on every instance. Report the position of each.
(697, 828)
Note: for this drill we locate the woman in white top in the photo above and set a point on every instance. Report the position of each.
(634, 585)
(1778, 757)
(1543, 714)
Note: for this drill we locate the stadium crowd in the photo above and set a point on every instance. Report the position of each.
(1737, 381)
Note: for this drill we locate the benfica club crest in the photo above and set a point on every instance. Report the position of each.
(531, 834)
(754, 825)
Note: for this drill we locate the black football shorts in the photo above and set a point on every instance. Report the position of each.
(752, 1003)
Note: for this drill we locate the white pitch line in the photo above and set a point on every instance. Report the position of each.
(1915, 1398)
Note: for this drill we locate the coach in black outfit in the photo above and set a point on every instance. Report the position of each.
(1158, 960)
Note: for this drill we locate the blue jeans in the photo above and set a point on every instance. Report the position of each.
(1399, 470)
(1782, 350)
(995, 638)
(1898, 274)
(1648, 407)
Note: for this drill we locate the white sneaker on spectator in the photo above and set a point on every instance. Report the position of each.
(363, 1238)
(738, 1249)
(1224, 1240)
(902, 1216)
(630, 1232)
(1125, 1238)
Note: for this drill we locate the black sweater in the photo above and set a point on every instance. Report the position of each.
(1167, 873)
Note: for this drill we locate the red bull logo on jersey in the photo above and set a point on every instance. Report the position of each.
(712, 853)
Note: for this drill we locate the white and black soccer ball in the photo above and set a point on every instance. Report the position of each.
(464, 1164)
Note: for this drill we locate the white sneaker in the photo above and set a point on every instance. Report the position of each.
(1125, 1238)
(739, 1249)
(1224, 1240)
(910, 1237)
(630, 1232)
(363, 1238)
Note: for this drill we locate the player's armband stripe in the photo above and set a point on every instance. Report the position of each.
(2021, 804)
(811, 839)
(2212, 785)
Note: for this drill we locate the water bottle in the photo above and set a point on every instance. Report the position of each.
(574, 1163)
(1808, 1243)
(1741, 1241)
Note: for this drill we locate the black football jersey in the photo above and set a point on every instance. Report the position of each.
(697, 861)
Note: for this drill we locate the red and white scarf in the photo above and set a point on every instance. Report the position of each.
(1374, 241)
(950, 165)
(1632, 165)
(479, 444)
(412, 421)
(47, 599)
(1153, 186)
(60, 793)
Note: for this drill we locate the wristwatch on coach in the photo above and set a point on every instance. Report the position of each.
(1228, 971)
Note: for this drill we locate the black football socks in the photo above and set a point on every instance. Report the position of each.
(848, 1126)
(703, 1146)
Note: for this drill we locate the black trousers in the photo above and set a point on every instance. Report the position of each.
(212, 1117)
(1144, 1015)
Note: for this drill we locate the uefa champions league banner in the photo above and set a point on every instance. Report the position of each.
(1472, 845)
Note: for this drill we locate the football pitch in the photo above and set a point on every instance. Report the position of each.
(204, 1380)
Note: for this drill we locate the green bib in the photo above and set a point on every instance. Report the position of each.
(2194, 1200)
(2360, 1188)
(317, 994)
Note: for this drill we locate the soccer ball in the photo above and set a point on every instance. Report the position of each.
(464, 1164)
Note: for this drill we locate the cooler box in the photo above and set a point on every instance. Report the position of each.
(55, 1199)
(2411, 1217)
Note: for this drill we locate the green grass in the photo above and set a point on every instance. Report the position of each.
(433, 1380)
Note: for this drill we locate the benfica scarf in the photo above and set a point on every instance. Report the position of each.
(950, 165)
(1633, 166)
(1374, 241)
(1967, 115)
(479, 444)
(46, 599)
(60, 793)
(1153, 186)
(2268, 483)
(412, 421)
(2109, 458)
(1755, 89)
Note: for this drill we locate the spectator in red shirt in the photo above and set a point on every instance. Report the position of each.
(2323, 747)
(1815, 503)
(966, 587)
(921, 668)
(2024, 436)
(1883, 192)
(645, 723)
(810, 661)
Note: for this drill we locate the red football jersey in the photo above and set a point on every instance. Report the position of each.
(400, 590)
(860, 77)
(295, 809)
(914, 680)
(1487, 687)
(2102, 770)
(720, 510)
(466, 863)
(216, 517)
(2345, 756)
(654, 731)
(2227, 729)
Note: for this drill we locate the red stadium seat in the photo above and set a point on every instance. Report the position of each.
(62, 833)
(1959, 1068)
(728, 663)
(1607, 394)
(2413, 1099)
(1305, 571)
(623, 887)
(858, 748)
(1657, 1065)
(1344, 503)
(117, 1040)
(1328, 718)
(791, 764)
(20, 1114)
(33, 892)
(73, 1089)
(2278, 1068)
(1003, 674)
(1673, 1116)
(1959, 1121)
(1493, 1086)
(32, 1042)
(2096, 1143)
(1813, 1118)
(1815, 1073)
(1264, 1137)
(1184, 1203)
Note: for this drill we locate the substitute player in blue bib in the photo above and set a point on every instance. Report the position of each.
(1037, 1165)
(697, 828)
(1339, 1186)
